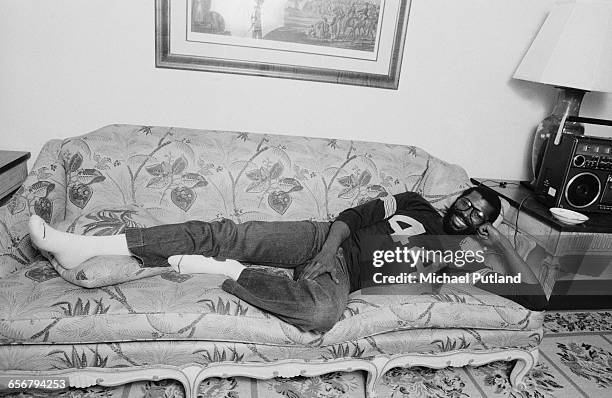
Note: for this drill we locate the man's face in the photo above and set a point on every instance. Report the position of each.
(465, 216)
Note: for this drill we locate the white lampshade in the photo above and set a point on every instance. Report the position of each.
(573, 47)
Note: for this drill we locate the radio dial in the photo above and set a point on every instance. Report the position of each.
(579, 160)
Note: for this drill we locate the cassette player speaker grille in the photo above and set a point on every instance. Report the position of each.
(583, 190)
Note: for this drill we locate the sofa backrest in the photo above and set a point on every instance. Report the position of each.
(133, 175)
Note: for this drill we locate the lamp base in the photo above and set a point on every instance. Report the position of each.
(568, 102)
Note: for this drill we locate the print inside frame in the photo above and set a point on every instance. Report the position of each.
(357, 42)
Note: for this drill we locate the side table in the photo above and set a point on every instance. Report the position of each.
(13, 171)
(573, 262)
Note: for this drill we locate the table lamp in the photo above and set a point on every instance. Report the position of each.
(573, 52)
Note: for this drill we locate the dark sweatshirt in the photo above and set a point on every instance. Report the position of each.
(408, 220)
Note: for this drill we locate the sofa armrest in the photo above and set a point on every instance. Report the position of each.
(43, 193)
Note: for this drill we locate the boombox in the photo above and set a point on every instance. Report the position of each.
(576, 171)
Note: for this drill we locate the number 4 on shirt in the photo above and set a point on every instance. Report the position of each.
(403, 235)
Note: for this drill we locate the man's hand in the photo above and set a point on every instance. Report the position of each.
(324, 262)
(490, 234)
(513, 264)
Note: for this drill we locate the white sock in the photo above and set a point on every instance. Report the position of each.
(70, 250)
(197, 264)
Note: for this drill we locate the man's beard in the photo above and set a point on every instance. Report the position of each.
(450, 229)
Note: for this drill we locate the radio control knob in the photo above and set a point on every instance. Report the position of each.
(579, 160)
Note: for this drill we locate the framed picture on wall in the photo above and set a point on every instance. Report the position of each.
(358, 42)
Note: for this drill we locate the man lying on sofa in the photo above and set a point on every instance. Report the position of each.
(326, 257)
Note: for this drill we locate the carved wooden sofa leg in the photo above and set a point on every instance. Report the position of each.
(289, 368)
(109, 377)
(113, 377)
(525, 361)
(191, 375)
(375, 375)
(521, 367)
(375, 368)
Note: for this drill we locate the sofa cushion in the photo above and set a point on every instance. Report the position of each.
(123, 175)
(46, 357)
(37, 306)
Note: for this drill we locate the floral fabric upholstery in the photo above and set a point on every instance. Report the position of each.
(121, 175)
(38, 306)
(177, 353)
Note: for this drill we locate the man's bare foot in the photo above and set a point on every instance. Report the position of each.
(69, 250)
(197, 264)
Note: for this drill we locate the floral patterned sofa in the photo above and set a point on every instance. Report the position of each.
(109, 321)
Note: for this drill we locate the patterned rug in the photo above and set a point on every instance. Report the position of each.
(575, 361)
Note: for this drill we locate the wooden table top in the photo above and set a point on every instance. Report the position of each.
(517, 194)
(9, 159)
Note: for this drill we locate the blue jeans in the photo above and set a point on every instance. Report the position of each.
(315, 304)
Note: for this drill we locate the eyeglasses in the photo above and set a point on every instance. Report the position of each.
(477, 216)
